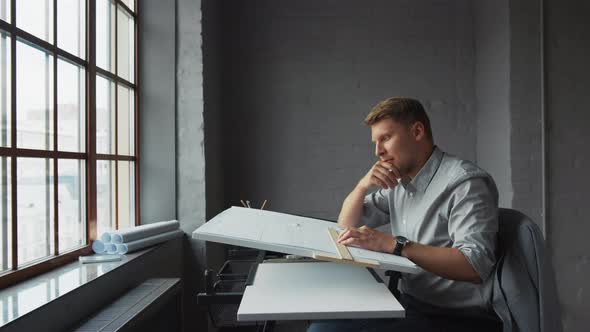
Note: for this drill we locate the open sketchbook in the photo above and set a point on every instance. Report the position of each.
(289, 234)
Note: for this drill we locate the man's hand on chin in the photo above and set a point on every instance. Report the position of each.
(367, 238)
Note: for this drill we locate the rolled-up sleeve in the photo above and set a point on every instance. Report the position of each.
(473, 224)
(376, 209)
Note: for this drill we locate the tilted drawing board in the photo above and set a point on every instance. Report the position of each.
(295, 235)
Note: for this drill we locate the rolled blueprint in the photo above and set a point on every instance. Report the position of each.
(110, 248)
(98, 247)
(140, 232)
(124, 248)
(106, 237)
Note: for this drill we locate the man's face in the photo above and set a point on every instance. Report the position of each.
(395, 143)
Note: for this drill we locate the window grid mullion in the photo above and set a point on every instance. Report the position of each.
(55, 140)
(55, 208)
(136, 113)
(116, 114)
(91, 196)
(13, 136)
(32, 153)
(40, 43)
(127, 9)
(115, 78)
(113, 157)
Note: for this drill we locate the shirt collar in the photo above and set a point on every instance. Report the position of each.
(421, 181)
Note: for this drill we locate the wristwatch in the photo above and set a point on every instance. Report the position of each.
(400, 243)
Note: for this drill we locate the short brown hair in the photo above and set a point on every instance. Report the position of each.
(405, 111)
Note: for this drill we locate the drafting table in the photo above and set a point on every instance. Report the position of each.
(290, 234)
(316, 290)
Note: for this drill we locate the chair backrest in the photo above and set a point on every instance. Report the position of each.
(525, 275)
(509, 223)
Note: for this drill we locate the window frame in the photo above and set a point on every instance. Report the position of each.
(55, 259)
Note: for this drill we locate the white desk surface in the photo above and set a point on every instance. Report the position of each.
(314, 290)
(289, 234)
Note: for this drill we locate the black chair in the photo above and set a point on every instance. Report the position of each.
(525, 293)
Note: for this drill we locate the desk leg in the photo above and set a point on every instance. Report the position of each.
(394, 277)
(269, 326)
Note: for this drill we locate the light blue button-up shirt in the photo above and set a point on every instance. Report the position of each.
(450, 203)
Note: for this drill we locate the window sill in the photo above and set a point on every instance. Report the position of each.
(25, 297)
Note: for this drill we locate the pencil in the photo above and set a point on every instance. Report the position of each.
(263, 204)
(244, 204)
(248, 203)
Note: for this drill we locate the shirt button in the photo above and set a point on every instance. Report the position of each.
(411, 194)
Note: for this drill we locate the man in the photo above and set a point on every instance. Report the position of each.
(443, 213)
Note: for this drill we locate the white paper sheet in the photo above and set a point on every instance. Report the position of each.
(288, 234)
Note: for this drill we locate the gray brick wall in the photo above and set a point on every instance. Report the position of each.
(298, 77)
(492, 93)
(567, 53)
(526, 130)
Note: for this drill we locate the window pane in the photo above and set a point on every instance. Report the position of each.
(36, 17)
(130, 4)
(126, 191)
(125, 118)
(71, 26)
(71, 107)
(5, 10)
(105, 195)
(105, 116)
(5, 215)
(34, 100)
(35, 208)
(71, 203)
(105, 34)
(125, 45)
(5, 89)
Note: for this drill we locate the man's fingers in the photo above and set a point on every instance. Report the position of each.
(391, 169)
(368, 232)
(387, 176)
(387, 165)
(343, 233)
(360, 241)
(353, 241)
(379, 182)
(384, 178)
(351, 233)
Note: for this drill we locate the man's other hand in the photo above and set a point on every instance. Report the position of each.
(367, 238)
(383, 174)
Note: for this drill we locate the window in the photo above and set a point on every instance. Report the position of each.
(68, 138)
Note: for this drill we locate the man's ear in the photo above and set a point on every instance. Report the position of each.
(418, 131)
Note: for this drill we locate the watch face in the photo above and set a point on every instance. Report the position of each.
(401, 240)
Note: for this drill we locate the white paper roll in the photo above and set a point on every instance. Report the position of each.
(143, 231)
(98, 247)
(124, 248)
(105, 237)
(110, 248)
